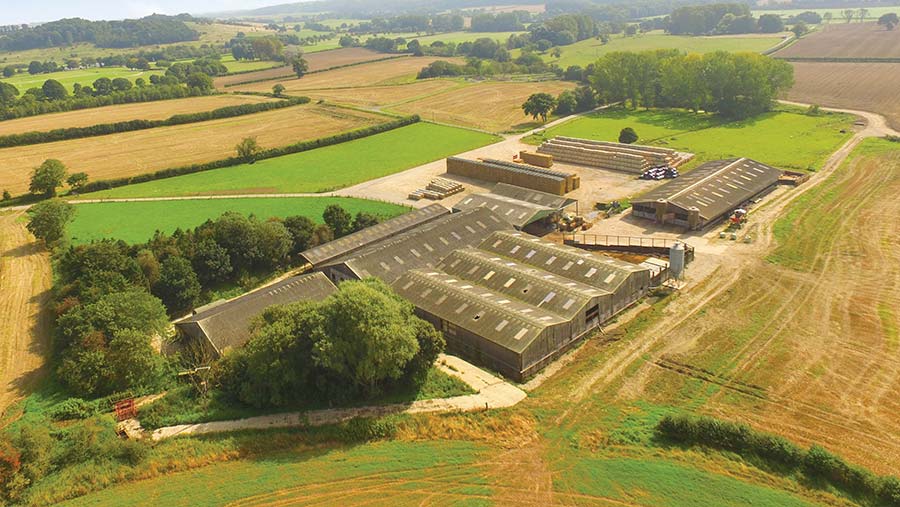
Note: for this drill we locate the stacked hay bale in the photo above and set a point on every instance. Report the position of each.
(538, 159)
(437, 189)
(608, 155)
(500, 171)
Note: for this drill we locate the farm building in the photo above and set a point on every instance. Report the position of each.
(225, 325)
(708, 193)
(347, 245)
(522, 175)
(519, 206)
(515, 302)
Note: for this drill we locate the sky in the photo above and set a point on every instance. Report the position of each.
(25, 11)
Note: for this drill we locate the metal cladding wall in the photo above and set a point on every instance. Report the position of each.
(505, 174)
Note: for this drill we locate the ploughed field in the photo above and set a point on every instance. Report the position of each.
(317, 61)
(157, 110)
(140, 152)
(871, 87)
(847, 40)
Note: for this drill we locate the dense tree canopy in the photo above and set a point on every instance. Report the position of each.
(47, 177)
(150, 30)
(47, 220)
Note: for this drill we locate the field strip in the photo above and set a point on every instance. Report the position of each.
(493, 392)
(25, 280)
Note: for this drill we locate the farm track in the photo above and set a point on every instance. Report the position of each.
(25, 280)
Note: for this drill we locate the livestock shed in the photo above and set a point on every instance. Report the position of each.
(519, 206)
(347, 245)
(226, 325)
(515, 302)
(421, 247)
(708, 193)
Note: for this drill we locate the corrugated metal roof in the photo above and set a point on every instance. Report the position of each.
(598, 271)
(426, 245)
(534, 286)
(509, 323)
(717, 187)
(533, 196)
(517, 213)
(228, 325)
(341, 247)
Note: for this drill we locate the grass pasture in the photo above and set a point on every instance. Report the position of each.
(492, 106)
(135, 222)
(786, 139)
(458, 37)
(840, 85)
(157, 110)
(140, 152)
(85, 77)
(846, 40)
(322, 169)
(588, 51)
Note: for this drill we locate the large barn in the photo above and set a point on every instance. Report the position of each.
(226, 325)
(708, 193)
(519, 206)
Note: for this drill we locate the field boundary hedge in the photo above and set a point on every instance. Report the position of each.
(828, 59)
(238, 73)
(103, 129)
(781, 45)
(252, 81)
(816, 464)
(302, 146)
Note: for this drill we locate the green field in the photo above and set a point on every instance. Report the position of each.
(587, 51)
(874, 12)
(784, 139)
(458, 37)
(85, 77)
(135, 222)
(247, 65)
(320, 170)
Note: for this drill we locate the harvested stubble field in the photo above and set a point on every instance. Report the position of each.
(141, 152)
(846, 40)
(495, 107)
(396, 71)
(861, 86)
(319, 170)
(135, 222)
(376, 96)
(806, 343)
(317, 61)
(158, 110)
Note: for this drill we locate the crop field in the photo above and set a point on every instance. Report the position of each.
(322, 169)
(784, 139)
(317, 61)
(846, 40)
(874, 12)
(23, 80)
(588, 51)
(860, 86)
(135, 222)
(158, 110)
(495, 107)
(139, 152)
(371, 96)
(396, 71)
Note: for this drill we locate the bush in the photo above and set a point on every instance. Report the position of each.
(73, 408)
(628, 135)
(363, 429)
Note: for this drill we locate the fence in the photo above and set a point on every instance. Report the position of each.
(636, 244)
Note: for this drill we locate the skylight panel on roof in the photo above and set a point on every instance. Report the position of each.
(462, 307)
(549, 297)
(522, 332)
(441, 299)
(568, 304)
(384, 266)
(509, 282)
(550, 260)
(501, 325)
(591, 272)
(609, 278)
(488, 275)
(515, 249)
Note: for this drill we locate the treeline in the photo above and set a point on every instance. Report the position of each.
(735, 85)
(150, 30)
(256, 48)
(500, 22)
(359, 342)
(140, 60)
(730, 18)
(113, 299)
(264, 154)
(417, 23)
(28, 138)
(527, 63)
(821, 467)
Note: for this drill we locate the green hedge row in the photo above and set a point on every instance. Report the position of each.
(354, 64)
(28, 138)
(271, 153)
(816, 464)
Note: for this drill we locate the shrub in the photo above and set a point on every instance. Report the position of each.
(73, 408)
(628, 135)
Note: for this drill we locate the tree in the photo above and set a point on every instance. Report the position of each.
(414, 47)
(120, 84)
(300, 65)
(770, 23)
(347, 41)
(54, 90)
(539, 105)
(628, 135)
(889, 20)
(77, 180)
(178, 286)
(248, 149)
(631, 30)
(301, 229)
(200, 81)
(9, 71)
(848, 14)
(134, 362)
(828, 16)
(8, 93)
(278, 89)
(211, 262)
(6, 195)
(862, 12)
(35, 67)
(337, 218)
(585, 100)
(102, 86)
(566, 103)
(364, 220)
(47, 220)
(800, 29)
(47, 178)
(321, 234)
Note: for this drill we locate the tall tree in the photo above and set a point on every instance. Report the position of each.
(178, 286)
(247, 150)
(47, 177)
(337, 218)
(300, 65)
(889, 20)
(539, 105)
(54, 90)
(47, 220)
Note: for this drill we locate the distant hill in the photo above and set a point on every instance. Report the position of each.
(155, 29)
(364, 8)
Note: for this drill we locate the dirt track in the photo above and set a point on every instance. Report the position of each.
(25, 281)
